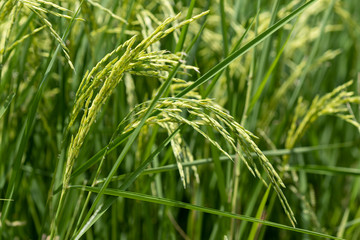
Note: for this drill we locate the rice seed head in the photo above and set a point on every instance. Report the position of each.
(169, 113)
(98, 84)
(333, 103)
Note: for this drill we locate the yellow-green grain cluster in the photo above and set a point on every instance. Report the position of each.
(98, 84)
(169, 113)
(334, 103)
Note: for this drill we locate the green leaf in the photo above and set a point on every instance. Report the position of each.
(327, 170)
(179, 204)
(180, 44)
(259, 213)
(6, 104)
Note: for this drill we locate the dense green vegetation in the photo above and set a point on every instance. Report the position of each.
(129, 120)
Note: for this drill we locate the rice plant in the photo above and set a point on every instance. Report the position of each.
(179, 119)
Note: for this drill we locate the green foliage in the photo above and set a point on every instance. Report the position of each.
(100, 101)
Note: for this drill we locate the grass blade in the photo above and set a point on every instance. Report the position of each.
(327, 170)
(255, 227)
(179, 204)
(184, 30)
(6, 104)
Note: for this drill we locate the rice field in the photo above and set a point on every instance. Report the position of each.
(183, 119)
